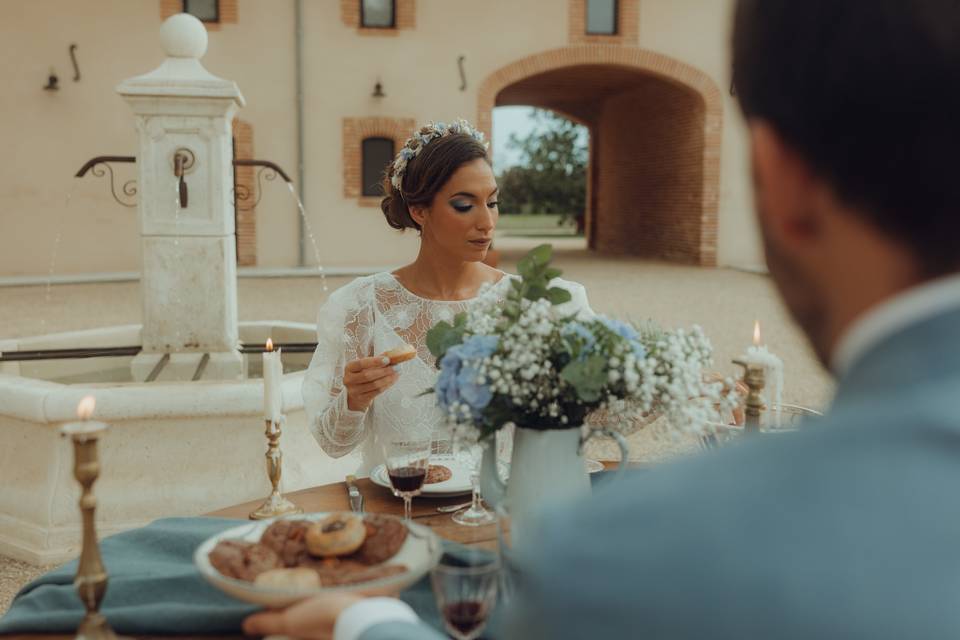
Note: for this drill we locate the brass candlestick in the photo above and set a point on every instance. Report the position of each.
(754, 378)
(91, 580)
(275, 504)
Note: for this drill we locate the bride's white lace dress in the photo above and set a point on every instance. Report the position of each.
(366, 317)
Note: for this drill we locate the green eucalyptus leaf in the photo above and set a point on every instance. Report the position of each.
(558, 295)
(587, 376)
(442, 336)
(552, 273)
(541, 255)
(535, 292)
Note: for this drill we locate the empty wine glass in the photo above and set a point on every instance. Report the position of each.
(465, 588)
(407, 462)
(470, 451)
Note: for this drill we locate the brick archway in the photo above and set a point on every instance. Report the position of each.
(655, 126)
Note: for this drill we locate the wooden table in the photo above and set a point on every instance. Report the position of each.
(333, 497)
(376, 499)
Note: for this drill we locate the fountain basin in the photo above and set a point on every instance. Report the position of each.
(173, 448)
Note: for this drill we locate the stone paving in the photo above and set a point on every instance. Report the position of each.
(724, 302)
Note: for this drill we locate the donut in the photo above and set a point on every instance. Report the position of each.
(297, 579)
(339, 534)
(401, 354)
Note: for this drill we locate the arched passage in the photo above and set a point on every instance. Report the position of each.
(655, 127)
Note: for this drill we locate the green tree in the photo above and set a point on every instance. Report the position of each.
(552, 174)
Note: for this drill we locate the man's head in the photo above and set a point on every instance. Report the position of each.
(854, 114)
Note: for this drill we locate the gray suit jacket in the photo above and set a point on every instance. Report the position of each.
(848, 529)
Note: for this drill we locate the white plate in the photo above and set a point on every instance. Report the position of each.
(594, 466)
(420, 552)
(457, 485)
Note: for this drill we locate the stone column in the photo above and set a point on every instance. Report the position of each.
(188, 280)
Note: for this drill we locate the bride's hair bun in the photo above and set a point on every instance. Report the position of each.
(423, 175)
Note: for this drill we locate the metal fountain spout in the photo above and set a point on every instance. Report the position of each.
(182, 160)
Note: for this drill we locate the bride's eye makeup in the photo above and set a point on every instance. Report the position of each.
(461, 205)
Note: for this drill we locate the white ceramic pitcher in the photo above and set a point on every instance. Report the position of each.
(547, 468)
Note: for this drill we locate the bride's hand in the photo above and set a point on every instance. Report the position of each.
(367, 378)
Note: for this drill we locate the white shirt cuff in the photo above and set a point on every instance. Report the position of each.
(357, 618)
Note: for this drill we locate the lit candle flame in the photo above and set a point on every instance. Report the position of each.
(756, 333)
(86, 407)
(269, 344)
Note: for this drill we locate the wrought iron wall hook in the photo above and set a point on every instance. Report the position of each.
(99, 167)
(73, 59)
(463, 74)
(244, 194)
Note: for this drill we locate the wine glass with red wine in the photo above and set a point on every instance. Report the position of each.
(407, 462)
(465, 588)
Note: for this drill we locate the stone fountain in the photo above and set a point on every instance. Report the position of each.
(186, 410)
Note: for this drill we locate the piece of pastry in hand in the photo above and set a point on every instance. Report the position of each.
(401, 354)
(339, 534)
(295, 579)
(438, 473)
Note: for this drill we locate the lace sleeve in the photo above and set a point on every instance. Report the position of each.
(344, 333)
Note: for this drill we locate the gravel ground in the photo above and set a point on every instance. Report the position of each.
(724, 302)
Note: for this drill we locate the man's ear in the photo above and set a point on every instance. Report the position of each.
(786, 188)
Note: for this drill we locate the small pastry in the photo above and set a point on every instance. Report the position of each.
(298, 579)
(339, 534)
(438, 473)
(401, 354)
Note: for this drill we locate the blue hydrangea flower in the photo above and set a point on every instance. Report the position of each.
(586, 337)
(478, 347)
(622, 329)
(476, 396)
(457, 382)
(426, 138)
(407, 154)
(627, 332)
(447, 391)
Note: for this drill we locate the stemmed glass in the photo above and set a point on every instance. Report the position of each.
(407, 462)
(465, 588)
(468, 449)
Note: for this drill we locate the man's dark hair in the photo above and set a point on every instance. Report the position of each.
(868, 92)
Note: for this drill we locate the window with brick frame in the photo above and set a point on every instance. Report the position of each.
(376, 153)
(203, 10)
(602, 17)
(378, 14)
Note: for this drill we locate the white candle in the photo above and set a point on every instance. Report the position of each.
(272, 376)
(772, 365)
(85, 426)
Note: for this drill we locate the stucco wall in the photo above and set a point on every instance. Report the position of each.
(49, 135)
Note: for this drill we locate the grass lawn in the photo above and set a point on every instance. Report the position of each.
(533, 224)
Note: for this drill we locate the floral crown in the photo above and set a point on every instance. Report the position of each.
(432, 131)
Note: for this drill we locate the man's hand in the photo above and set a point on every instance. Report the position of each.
(311, 619)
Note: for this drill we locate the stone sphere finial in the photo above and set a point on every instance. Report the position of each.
(183, 36)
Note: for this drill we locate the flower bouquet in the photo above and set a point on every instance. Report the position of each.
(538, 361)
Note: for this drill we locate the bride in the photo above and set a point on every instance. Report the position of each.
(441, 185)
